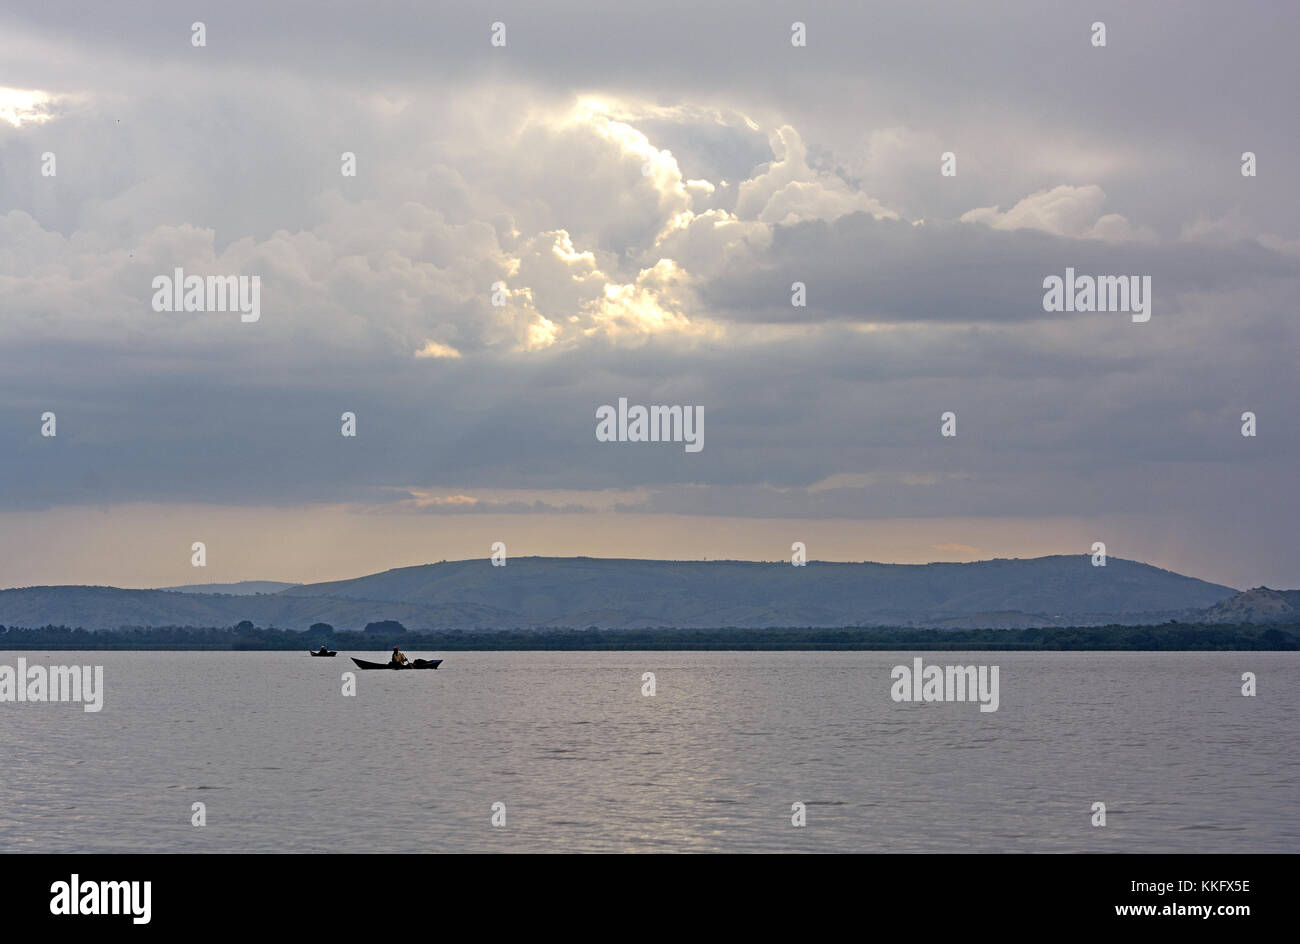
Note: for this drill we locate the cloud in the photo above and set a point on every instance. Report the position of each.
(30, 106)
(1062, 211)
(789, 191)
(647, 205)
(1233, 227)
(434, 349)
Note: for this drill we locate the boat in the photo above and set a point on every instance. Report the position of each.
(415, 664)
(317, 652)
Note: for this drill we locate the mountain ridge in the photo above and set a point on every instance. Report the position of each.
(239, 588)
(631, 593)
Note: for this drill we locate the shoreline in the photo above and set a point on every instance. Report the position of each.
(1166, 637)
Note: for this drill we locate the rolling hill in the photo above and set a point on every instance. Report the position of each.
(1260, 605)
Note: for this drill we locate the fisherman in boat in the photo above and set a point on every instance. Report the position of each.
(323, 650)
(399, 657)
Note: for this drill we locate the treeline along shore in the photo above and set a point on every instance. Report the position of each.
(245, 637)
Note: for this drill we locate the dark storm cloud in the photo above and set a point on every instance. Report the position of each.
(862, 269)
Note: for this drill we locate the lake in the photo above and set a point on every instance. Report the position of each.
(712, 762)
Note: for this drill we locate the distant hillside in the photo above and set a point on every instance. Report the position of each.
(243, 588)
(537, 592)
(1260, 605)
(608, 593)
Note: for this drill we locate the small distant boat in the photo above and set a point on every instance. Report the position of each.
(325, 654)
(416, 664)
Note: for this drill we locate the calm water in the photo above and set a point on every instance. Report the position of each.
(585, 762)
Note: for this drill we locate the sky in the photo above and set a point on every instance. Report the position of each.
(616, 203)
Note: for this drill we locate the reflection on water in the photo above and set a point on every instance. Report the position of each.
(713, 762)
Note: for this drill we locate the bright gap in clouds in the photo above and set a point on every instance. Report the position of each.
(19, 106)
